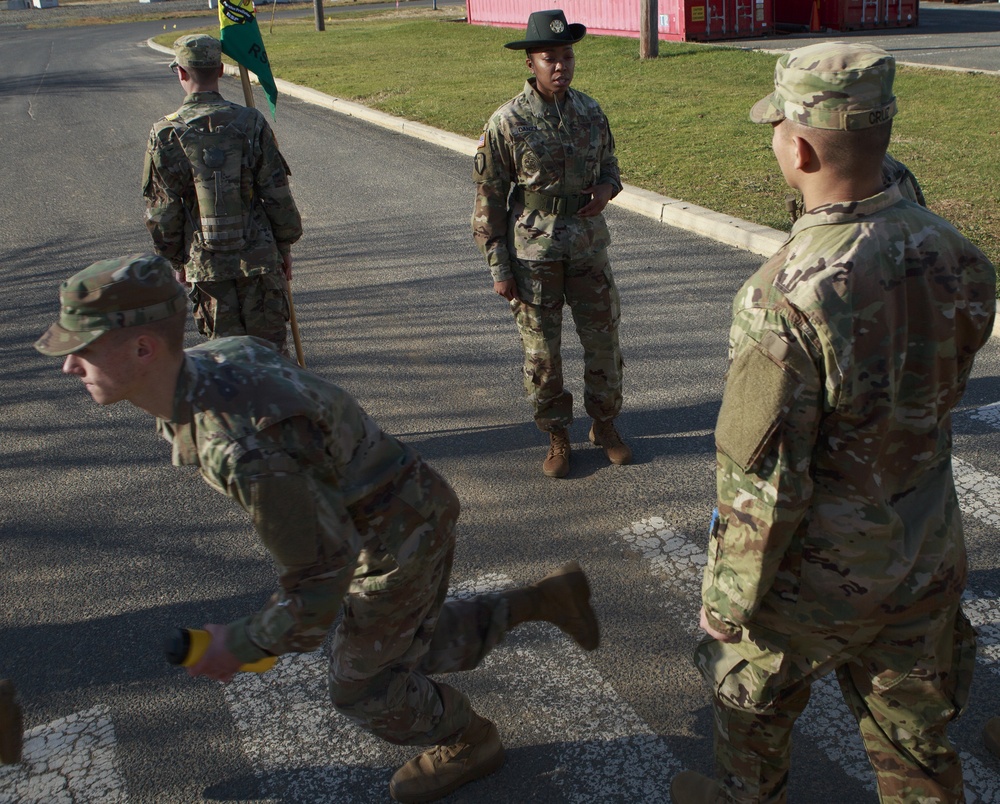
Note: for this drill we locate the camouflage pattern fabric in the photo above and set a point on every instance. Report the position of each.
(352, 517)
(838, 539)
(171, 202)
(589, 288)
(111, 294)
(251, 305)
(555, 151)
(895, 172)
(831, 85)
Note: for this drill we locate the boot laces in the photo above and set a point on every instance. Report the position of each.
(558, 444)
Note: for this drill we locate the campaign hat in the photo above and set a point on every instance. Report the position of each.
(549, 29)
(831, 85)
(200, 51)
(111, 294)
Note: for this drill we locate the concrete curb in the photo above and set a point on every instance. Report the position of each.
(757, 239)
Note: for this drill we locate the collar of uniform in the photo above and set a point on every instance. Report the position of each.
(181, 437)
(848, 211)
(541, 107)
(203, 97)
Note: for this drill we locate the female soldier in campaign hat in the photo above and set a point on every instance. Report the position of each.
(546, 243)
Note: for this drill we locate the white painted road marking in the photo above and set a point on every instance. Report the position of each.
(301, 749)
(68, 761)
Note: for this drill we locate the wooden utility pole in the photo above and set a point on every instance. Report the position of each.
(318, 13)
(649, 40)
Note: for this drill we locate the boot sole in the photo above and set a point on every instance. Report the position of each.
(490, 767)
(572, 573)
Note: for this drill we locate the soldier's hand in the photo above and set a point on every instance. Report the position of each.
(217, 662)
(507, 289)
(286, 260)
(181, 277)
(601, 193)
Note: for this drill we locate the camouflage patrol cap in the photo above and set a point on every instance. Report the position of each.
(200, 51)
(112, 294)
(831, 85)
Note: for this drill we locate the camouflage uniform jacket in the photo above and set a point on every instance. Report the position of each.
(848, 350)
(171, 201)
(554, 151)
(302, 458)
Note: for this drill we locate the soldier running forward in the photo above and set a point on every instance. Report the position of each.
(837, 543)
(352, 517)
(546, 242)
(218, 204)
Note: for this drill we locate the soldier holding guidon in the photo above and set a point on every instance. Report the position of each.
(353, 518)
(544, 171)
(837, 543)
(218, 203)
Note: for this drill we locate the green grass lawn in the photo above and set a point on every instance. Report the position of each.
(680, 121)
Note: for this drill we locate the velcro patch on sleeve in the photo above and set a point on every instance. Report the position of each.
(759, 392)
(284, 513)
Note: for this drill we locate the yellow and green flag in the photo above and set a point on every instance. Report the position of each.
(241, 41)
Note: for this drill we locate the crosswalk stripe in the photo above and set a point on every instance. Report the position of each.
(70, 759)
(602, 750)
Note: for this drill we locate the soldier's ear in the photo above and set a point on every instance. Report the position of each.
(804, 154)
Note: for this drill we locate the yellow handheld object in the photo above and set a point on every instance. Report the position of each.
(185, 646)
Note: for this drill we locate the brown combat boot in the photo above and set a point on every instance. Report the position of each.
(604, 434)
(556, 463)
(11, 724)
(561, 598)
(443, 769)
(690, 787)
(991, 736)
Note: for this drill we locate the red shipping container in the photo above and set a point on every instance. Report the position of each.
(679, 20)
(846, 15)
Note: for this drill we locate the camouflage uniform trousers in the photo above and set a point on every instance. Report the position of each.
(904, 682)
(397, 628)
(250, 305)
(588, 287)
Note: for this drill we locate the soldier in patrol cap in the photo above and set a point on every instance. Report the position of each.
(218, 203)
(546, 242)
(354, 519)
(837, 542)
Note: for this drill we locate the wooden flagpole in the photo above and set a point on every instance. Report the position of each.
(248, 97)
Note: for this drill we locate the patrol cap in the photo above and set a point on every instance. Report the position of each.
(831, 85)
(112, 294)
(548, 29)
(200, 51)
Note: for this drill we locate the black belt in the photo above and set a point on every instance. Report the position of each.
(553, 204)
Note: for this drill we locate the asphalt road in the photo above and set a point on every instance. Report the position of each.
(104, 546)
